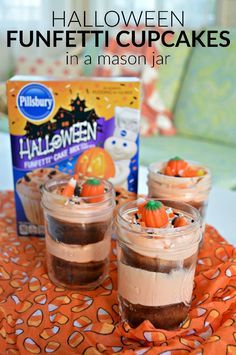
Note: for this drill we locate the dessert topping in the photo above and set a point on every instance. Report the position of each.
(180, 222)
(92, 187)
(175, 167)
(70, 187)
(154, 214)
(201, 172)
(180, 168)
(77, 190)
(170, 212)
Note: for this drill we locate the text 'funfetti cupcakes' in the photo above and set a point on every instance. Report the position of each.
(78, 217)
(158, 244)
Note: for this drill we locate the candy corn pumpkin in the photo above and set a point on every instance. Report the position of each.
(193, 172)
(180, 222)
(154, 214)
(92, 187)
(175, 167)
(68, 191)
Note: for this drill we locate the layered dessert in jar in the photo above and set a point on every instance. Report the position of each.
(158, 244)
(78, 217)
(180, 180)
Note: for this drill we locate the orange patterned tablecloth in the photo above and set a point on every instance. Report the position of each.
(37, 318)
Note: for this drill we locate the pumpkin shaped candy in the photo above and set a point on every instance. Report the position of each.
(93, 187)
(154, 214)
(175, 167)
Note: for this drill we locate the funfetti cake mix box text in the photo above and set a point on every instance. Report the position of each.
(89, 127)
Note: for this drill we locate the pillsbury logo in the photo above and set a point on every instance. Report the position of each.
(35, 102)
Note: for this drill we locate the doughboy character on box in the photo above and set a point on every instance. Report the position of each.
(122, 145)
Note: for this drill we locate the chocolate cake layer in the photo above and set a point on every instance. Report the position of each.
(164, 317)
(77, 274)
(76, 233)
(131, 258)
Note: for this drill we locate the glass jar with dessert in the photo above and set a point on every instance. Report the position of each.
(158, 243)
(180, 180)
(78, 220)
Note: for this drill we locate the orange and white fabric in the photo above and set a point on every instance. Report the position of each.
(36, 317)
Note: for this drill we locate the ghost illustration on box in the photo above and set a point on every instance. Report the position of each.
(122, 145)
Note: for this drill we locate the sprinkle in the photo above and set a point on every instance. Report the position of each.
(173, 220)
(140, 200)
(26, 177)
(77, 190)
(76, 200)
(52, 172)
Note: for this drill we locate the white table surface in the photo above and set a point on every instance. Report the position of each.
(220, 212)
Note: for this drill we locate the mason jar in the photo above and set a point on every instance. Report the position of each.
(156, 267)
(191, 190)
(77, 235)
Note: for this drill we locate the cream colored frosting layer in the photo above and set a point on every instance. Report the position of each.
(162, 248)
(80, 253)
(154, 288)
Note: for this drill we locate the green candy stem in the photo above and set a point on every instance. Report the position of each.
(94, 182)
(153, 205)
(176, 158)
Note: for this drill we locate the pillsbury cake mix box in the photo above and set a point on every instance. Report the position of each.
(89, 127)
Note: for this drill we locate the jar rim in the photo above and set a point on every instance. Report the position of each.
(186, 179)
(50, 185)
(158, 233)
